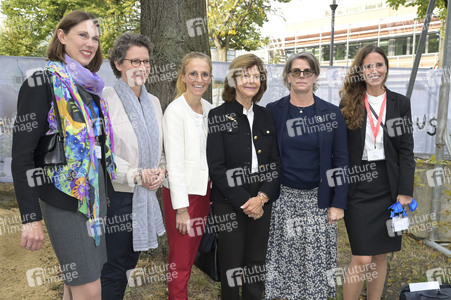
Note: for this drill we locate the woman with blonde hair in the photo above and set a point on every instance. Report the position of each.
(367, 106)
(186, 196)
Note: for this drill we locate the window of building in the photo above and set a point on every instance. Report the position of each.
(434, 43)
(326, 53)
(340, 51)
(289, 52)
(373, 4)
(353, 49)
(402, 46)
(384, 45)
(313, 50)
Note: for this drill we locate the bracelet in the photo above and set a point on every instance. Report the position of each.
(263, 197)
(183, 211)
(140, 176)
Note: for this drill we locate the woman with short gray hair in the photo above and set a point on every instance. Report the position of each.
(134, 215)
(302, 245)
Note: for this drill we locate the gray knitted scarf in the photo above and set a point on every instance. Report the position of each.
(147, 218)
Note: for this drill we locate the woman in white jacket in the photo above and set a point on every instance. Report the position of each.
(187, 196)
(134, 215)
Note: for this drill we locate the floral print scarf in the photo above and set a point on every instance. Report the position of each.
(79, 178)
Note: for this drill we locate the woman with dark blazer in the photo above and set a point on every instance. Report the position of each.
(387, 150)
(243, 161)
(73, 197)
(302, 247)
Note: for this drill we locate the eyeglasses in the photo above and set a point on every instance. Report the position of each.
(137, 62)
(297, 72)
(204, 75)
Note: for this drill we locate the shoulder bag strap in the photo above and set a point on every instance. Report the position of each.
(55, 105)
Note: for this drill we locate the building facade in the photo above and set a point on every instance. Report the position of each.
(357, 24)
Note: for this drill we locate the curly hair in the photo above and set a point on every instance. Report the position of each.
(237, 67)
(353, 92)
(121, 46)
(181, 85)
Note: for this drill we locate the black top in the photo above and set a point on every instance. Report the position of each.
(398, 148)
(33, 105)
(229, 154)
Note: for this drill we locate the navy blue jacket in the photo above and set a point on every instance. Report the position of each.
(333, 149)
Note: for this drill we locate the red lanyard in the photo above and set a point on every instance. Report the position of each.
(370, 116)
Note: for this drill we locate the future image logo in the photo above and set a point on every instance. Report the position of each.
(196, 226)
(246, 275)
(442, 275)
(235, 177)
(310, 125)
(40, 276)
(241, 176)
(35, 277)
(36, 77)
(135, 277)
(150, 275)
(235, 277)
(399, 126)
(438, 176)
(37, 177)
(196, 26)
(356, 173)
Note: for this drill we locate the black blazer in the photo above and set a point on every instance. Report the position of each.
(34, 102)
(398, 147)
(229, 153)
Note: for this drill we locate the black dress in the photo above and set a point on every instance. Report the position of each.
(367, 213)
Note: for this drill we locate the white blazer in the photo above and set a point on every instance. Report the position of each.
(185, 145)
(126, 149)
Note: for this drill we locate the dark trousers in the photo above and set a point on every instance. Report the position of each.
(242, 253)
(119, 246)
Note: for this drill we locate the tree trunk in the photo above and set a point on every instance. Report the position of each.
(222, 53)
(175, 28)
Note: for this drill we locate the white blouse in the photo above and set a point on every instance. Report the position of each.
(376, 103)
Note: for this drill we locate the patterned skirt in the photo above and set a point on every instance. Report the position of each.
(302, 248)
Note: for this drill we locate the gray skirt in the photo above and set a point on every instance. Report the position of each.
(80, 260)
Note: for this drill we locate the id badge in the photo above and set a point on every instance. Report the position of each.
(98, 150)
(400, 223)
(375, 154)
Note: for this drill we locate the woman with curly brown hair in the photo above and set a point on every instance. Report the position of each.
(380, 140)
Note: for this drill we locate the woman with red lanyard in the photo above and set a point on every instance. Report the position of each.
(380, 143)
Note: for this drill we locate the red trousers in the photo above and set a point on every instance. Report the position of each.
(183, 248)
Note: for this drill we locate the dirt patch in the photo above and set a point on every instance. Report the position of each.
(16, 261)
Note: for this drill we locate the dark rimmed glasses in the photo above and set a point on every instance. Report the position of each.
(297, 72)
(137, 62)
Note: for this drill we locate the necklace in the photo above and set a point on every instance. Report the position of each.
(301, 109)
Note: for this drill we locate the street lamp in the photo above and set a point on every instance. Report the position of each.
(333, 7)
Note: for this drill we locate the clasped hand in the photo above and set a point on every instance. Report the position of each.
(253, 208)
(152, 179)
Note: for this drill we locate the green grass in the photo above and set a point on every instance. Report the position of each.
(406, 266)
